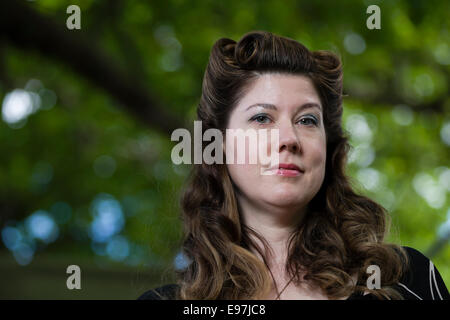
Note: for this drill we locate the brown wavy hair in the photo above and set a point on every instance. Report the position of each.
(342, 233)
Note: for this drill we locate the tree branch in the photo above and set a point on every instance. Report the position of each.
(27, 29)
(390, 98)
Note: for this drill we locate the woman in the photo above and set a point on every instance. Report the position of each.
(299, 232)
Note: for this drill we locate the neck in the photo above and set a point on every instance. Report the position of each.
(275, 224)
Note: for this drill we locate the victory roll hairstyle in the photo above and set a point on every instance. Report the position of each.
(342, 233)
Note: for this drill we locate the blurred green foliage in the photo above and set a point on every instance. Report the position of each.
(82, 143)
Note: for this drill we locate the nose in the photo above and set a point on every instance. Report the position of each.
(288, 138)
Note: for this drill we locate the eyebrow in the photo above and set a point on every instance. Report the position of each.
(307, 105)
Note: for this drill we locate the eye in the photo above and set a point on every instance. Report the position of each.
(260, 118)
(310, 120)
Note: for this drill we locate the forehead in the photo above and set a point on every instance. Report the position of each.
(280, 89)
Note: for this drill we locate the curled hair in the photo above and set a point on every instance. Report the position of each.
(342, 233)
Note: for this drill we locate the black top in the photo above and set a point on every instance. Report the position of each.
(422, 281)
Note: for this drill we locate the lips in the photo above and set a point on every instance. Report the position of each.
(287, 169)
(289, 166)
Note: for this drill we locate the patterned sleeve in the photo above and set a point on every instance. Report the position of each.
(167, 292)
(423, 280)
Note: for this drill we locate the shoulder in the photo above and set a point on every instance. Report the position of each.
(422, 279)
(167, 292)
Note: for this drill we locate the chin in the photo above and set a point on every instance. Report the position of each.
(285, 199)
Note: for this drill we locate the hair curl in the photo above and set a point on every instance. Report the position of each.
(343, 232)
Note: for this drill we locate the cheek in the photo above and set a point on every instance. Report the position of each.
(317, 156)
(243, 151)
(268, 142)
(320, 152)
(244, 176)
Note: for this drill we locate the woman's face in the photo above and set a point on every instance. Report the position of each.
(291, 105)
